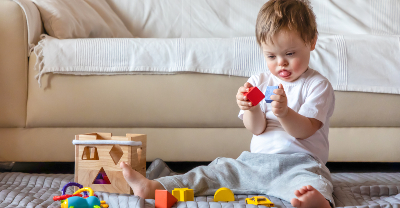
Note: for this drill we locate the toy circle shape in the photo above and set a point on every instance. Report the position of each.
(224, 194)
(68, 185)
(88, 189)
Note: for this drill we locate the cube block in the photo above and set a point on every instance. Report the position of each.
(183, 194)
(269, 92)
(164, 199)
(254, 95)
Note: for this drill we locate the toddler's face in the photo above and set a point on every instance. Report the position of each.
(288, 57)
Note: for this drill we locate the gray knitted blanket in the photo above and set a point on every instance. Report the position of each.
(361, 190)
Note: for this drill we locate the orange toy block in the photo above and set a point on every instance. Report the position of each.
(164, 199)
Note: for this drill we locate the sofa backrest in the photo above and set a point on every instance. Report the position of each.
(236, 18)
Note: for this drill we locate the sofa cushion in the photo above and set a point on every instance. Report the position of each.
(81, 19)
(192, 100)
(184, 100)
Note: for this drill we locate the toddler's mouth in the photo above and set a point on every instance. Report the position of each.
(284, 74)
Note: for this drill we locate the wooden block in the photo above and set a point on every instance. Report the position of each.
(140, 152)
(120, 138)
(105, 159)
(90, 159)
(76, 162)
(102, 135)
(118, 183)
(87, 137)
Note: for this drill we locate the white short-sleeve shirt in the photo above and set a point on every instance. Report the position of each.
(311, 95)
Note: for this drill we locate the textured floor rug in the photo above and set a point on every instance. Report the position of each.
(361, 190)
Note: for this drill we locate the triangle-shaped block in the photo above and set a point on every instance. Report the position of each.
(164, 199)
(101, 178)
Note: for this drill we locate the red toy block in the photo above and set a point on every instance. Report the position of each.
(164, 199)
(254, 95)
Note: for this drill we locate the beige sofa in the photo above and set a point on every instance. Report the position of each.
(187, 117)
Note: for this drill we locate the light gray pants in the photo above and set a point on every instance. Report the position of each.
(277, 175)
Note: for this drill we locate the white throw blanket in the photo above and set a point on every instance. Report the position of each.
(223, 18)
(230, 56)
(355, 59)
(366, 63)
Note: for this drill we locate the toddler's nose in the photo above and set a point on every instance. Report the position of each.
(282, 62)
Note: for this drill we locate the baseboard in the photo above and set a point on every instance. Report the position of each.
(182, 167)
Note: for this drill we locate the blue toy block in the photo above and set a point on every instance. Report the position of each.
(269, 92)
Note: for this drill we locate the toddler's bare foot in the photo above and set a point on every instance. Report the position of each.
(309, 197)
(140, 185)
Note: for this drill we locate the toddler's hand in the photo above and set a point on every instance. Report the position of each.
(242, 101)
(279, 103)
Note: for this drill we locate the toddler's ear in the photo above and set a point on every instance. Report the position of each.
(314, 43)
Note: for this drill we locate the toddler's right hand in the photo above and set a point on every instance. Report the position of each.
(242, 101)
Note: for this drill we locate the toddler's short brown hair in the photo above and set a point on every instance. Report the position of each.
(294, 15)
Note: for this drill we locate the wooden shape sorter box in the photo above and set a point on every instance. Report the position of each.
(97, 165)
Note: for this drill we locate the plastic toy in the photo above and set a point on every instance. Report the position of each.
(269, 92)
(224, 194)
(77, 201)
(183, 194)
(259, 200)
(164, 199)
(64, 189)
(98, 157)
(254, 95)
(66, 196)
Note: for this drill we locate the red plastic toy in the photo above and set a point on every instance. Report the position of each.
(254, 95)
(66, 196)
(164, 199)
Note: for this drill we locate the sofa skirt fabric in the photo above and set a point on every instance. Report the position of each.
(193, 144)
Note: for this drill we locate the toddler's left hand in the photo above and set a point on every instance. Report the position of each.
(279, 103)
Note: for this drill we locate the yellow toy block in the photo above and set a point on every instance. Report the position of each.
(224, 194)
(260, 200)
(183, 194)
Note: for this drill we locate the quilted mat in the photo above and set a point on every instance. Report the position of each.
(351, 190)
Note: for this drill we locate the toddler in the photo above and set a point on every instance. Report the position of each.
(290, 146)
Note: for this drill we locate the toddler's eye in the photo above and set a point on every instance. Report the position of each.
(290, 54)
(271, 57)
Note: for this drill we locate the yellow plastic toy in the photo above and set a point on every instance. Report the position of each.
(259, 200)
(183, 194)
(89, 202)
(224, 194)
